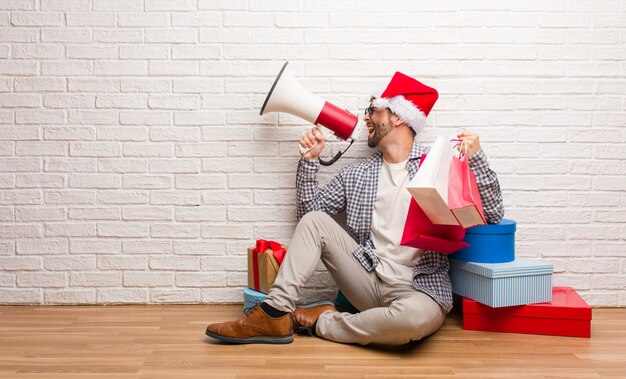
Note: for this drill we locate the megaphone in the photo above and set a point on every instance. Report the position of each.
(287, 95)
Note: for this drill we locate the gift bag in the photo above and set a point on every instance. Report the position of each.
(263, 262)
(420, 232)
(430, 185)
(463, 196)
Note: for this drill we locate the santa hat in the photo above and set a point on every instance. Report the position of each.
(408, 99)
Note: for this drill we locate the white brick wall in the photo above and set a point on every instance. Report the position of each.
(134, 167)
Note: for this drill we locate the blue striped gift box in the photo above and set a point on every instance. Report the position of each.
(520, 282)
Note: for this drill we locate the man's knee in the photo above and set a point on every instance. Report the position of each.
(315, 218)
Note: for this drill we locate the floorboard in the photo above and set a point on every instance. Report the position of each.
(167, 341)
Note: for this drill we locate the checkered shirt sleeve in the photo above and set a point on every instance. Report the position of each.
(330, 198)
(488, 186)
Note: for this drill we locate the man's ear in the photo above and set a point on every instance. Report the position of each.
(399, 121)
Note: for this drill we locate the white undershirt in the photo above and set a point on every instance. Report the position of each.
(390, 209)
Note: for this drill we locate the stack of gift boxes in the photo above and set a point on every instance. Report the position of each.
(504, 293)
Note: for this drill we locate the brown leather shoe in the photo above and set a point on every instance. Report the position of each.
(254, 327)
(305, 316)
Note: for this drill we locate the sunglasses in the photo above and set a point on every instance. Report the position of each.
(371, 109)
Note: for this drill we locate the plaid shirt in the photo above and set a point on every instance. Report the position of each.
(354, 190)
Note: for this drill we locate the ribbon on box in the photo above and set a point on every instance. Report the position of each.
(278, 251)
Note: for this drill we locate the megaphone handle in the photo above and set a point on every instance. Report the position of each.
(304, 150)
(325, 131)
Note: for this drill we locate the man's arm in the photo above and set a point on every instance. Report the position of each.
(488, 186)
(486, 178)
(310, 197)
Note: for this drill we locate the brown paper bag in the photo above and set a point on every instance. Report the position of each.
(261, 277)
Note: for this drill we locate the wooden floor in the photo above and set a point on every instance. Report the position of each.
(169, 342)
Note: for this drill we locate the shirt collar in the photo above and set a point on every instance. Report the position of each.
(417, 150)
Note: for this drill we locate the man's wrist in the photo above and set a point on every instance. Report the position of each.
(478, 159)
(308, 165)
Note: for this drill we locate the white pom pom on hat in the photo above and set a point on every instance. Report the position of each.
(408, 99)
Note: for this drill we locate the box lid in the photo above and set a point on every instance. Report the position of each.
(247, 291)
(566, 304)
(504, 227)
(518, 267)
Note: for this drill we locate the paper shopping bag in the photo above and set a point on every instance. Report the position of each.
(421, 233)
(463, 196)
(429, 186)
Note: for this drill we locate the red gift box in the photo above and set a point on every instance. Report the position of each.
(567, 315)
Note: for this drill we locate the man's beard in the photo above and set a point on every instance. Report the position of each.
(380, 131)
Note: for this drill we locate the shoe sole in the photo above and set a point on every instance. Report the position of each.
(260, 339)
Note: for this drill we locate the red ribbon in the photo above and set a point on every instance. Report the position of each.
(255, 267)
(261, 247)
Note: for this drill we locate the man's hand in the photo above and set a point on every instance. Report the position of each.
(469, 142)
(311, 138)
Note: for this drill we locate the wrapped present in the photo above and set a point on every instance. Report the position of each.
(492, 243)
(252, 298)
(523, 281)
(263, 262)
(566, 315)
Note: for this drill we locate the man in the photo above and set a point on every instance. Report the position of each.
(402, 293)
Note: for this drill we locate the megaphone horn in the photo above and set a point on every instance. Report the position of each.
(287, 95)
